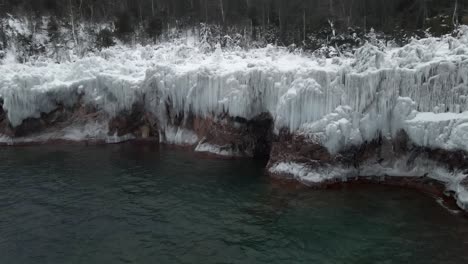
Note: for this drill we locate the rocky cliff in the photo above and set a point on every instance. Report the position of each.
(384, 112)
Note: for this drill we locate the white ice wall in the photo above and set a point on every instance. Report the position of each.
(336, 102)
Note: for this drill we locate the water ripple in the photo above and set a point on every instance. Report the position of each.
(126, 204)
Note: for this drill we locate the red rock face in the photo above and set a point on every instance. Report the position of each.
(380, 153)
(295, 148)
(251, 138)
(136, 122)
(299, 149)
(60, 117)
(255, 138)
(30, 126)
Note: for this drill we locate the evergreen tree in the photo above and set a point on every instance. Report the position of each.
(105, 39)
(293, 20)
(124, 24)
(154, 28)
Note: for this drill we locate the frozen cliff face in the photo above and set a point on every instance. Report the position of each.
(337, 104)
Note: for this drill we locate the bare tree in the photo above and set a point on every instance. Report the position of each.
(455, 15)
(206, 11)
(80, 8)
(222, 10)
(304, 25)
(72, 22)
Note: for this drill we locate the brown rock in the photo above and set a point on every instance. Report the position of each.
(251, 138)
(136, 122)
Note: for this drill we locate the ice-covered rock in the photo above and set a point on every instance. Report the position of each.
(333, 105)
(297, 91)
(179, 136)
(225, 151)
(312, 175)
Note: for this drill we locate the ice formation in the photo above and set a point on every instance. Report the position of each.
(420, 88)
(179, 136)
(308, 175)
(224, 151)
(339, 101)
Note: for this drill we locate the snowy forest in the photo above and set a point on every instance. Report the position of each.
(281, 21)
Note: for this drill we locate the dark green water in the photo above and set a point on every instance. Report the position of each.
(133, 204)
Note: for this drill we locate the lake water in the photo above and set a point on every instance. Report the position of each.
(141, 204)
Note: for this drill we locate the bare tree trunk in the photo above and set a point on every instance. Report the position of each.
(81, 5)
(72, 23)
(365, 17)
(91, 9)
(344, 14)
(425, 15)
(365, 23)
(304, 25)
(263, 14)
(455, 15)
(104, 11)
(141, 14)
(206, 11)
(222, 10)
(279, 20)
(268, 15)
(152, 7)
